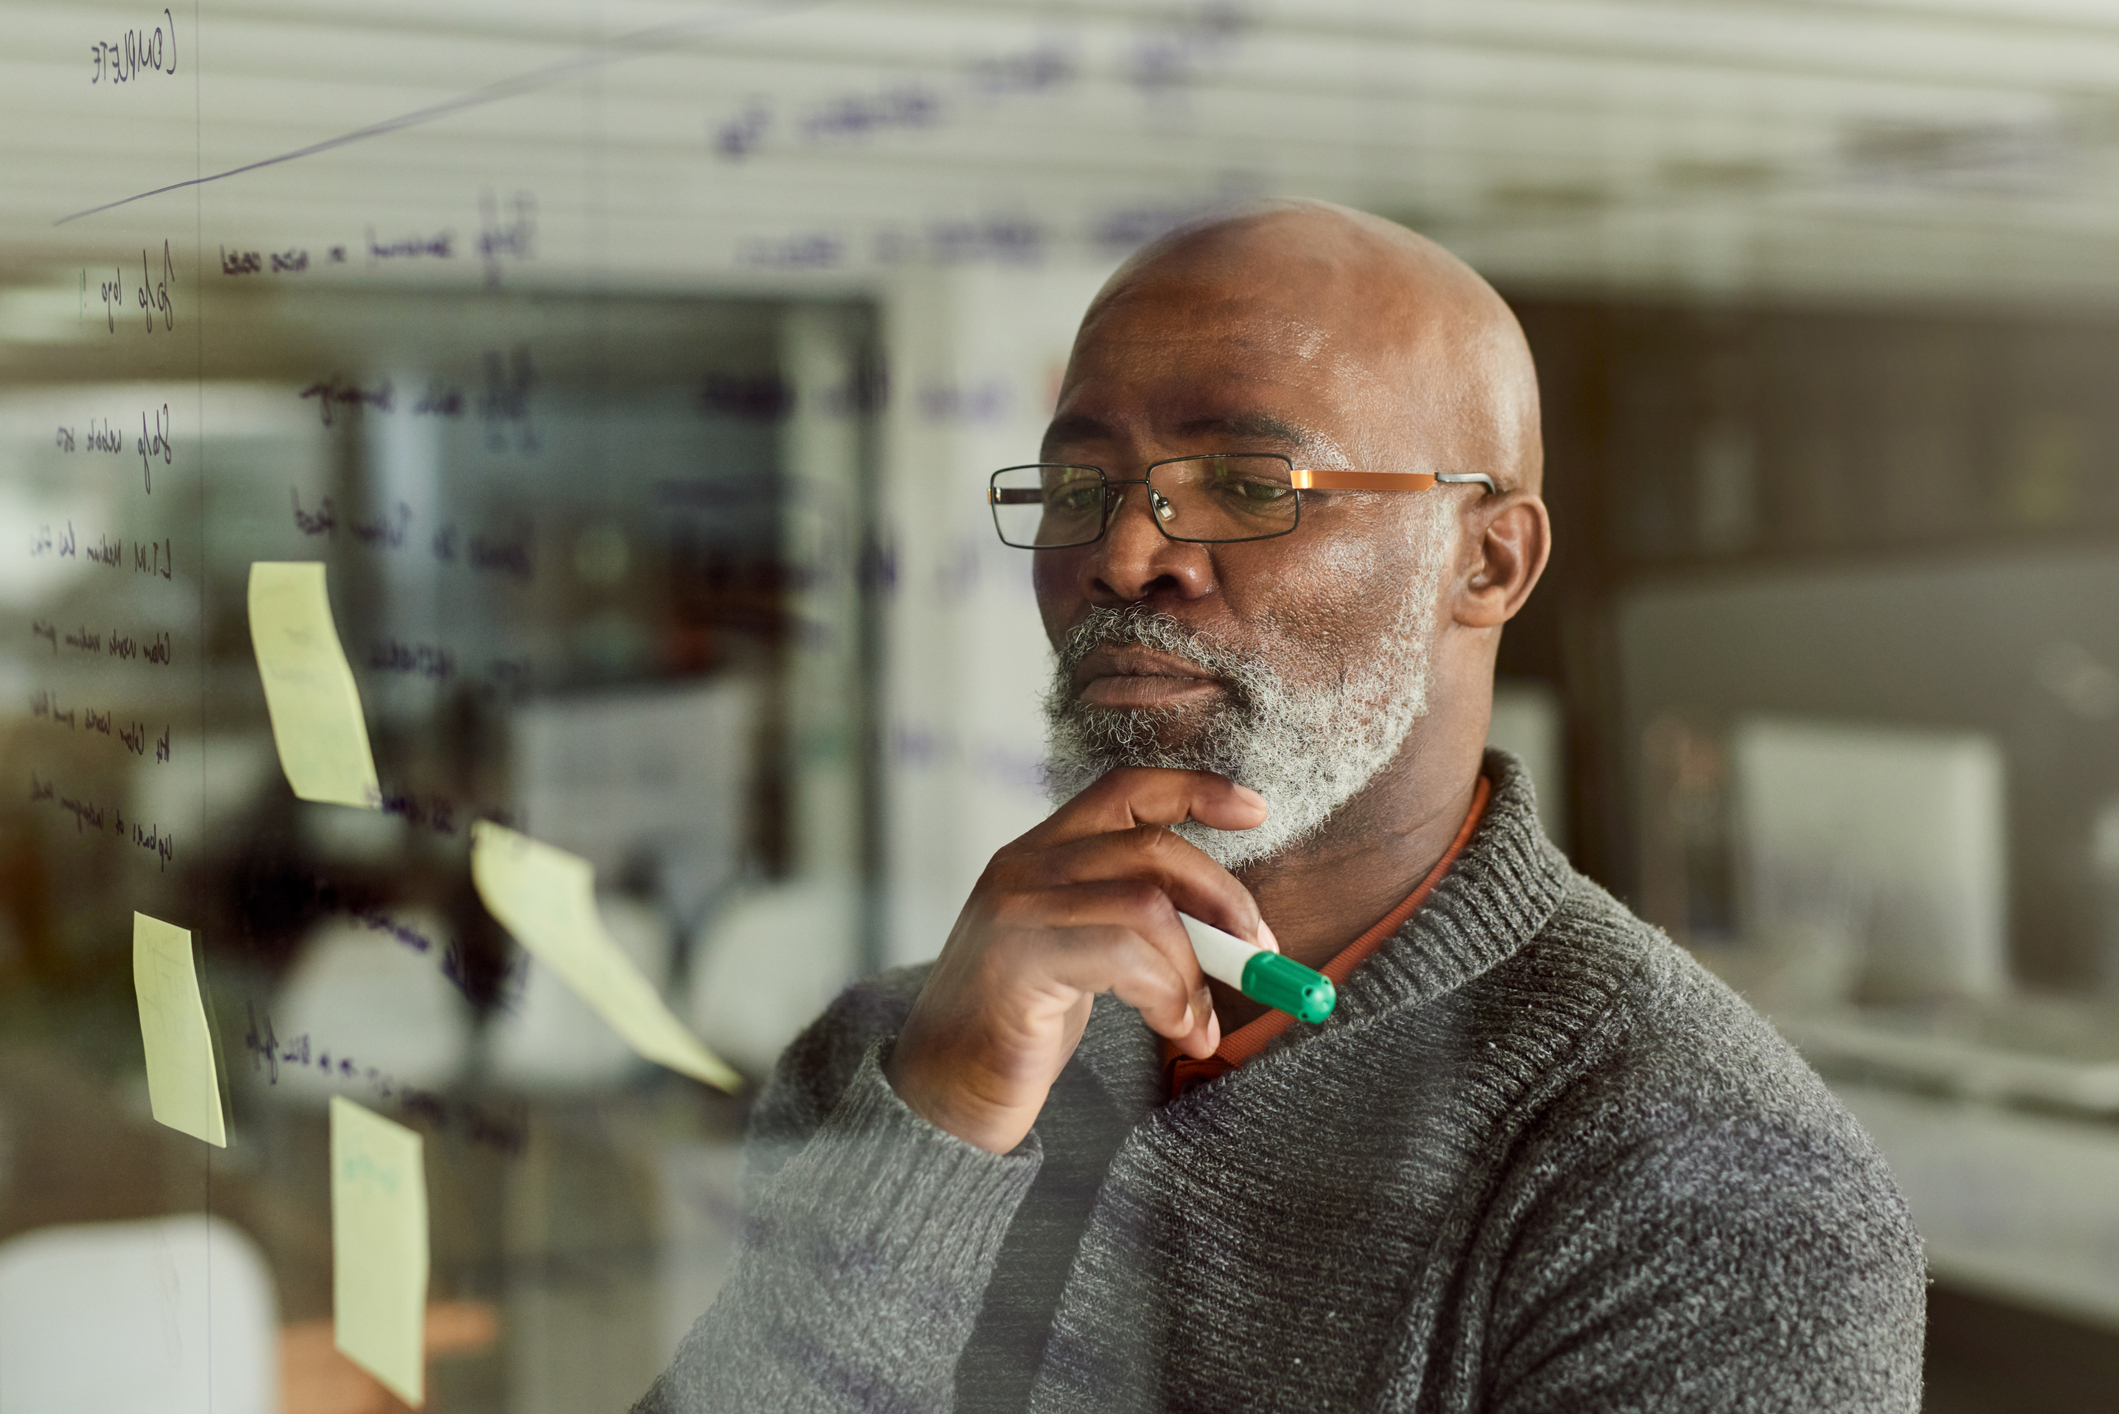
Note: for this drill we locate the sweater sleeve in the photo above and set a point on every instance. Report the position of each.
(866, 1251)
(1728, 1264)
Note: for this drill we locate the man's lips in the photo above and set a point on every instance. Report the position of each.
(1140, 677)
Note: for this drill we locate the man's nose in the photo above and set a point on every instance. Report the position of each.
(1134, 560)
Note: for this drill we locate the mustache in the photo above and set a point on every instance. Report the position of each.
(1137, 626)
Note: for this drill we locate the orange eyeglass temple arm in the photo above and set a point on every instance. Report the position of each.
(1331, 479)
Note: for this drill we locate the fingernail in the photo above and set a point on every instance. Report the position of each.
(1251, 797)
(1266, 939)
(1213, 1032)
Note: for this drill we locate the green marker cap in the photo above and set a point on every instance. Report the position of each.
(1286, 984)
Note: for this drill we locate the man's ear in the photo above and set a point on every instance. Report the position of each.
(1509, 538)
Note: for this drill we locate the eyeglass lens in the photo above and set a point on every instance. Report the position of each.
(1210, 498)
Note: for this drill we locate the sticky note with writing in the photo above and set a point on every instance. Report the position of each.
(183, 1087)
(379, 1247)
(309, 690)
(547, 899)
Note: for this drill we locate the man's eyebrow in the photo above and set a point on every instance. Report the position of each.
(1212, 433)
(1073, 428)
(1250, 427)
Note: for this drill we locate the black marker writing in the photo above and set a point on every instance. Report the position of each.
(386, 531)
(45, 706)
(113, 296)
(154, 294)
(438, 247)
(331, 396)
(155, 557)
(512, 238)
(507, 1133)
(154, 441)
(505, 403)
(322, 521)
(427, 660)
(138, 52)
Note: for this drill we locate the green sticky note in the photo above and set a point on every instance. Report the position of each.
(309, 689)
(547, 899)
(183, 1087)
(379, 1247)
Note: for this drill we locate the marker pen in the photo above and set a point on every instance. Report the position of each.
(1260, 973)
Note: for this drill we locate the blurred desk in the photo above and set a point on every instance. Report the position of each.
(2000, 1121)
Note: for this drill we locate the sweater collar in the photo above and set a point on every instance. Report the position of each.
(1502, 889)
(1495, 898)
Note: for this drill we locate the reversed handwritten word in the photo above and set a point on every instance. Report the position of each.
(1175, 55)
(507, 1133)
(113, 296)
(333, 397)
(437, 812)
(45, 706)
(491, 553)
(251, 262)
(154, 841)
(512, 239)
(1007, 240)
(1041, 68)
(385, 531)
(817, 251)
(506, 555)
(153, 295)
(504, 405)
(153, 442)
(440, 400)
(438, 247)
(427, 660)
(1035, 70)
(151, 557)
(845, 116)
(139, 51)
(114, 644)
(90, 816)
(155, 557)
(322, 521)
(87, 814)
(364, 909)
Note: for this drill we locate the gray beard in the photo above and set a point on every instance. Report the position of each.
(1307, 751)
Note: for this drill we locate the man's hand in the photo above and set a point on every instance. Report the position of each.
(1085, 903)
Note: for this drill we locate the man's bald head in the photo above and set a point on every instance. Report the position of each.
(1431, 348)
(1348, 656)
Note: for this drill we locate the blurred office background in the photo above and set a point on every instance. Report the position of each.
(636, 369)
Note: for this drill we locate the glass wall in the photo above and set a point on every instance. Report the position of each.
(632, 371)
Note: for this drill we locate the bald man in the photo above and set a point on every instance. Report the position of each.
(1535, 1160)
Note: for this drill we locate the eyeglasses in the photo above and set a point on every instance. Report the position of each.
(1212, 499)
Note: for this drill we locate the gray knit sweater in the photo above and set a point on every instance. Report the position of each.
(1536, 1160)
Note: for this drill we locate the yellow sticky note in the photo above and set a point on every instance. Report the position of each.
(379, 1247)
(316, 709)
(547, 899)
(183, 1087)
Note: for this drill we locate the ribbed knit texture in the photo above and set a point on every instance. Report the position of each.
(1537, 1160)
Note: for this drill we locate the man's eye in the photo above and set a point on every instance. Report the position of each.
(1259, 493)
(1073, 498)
